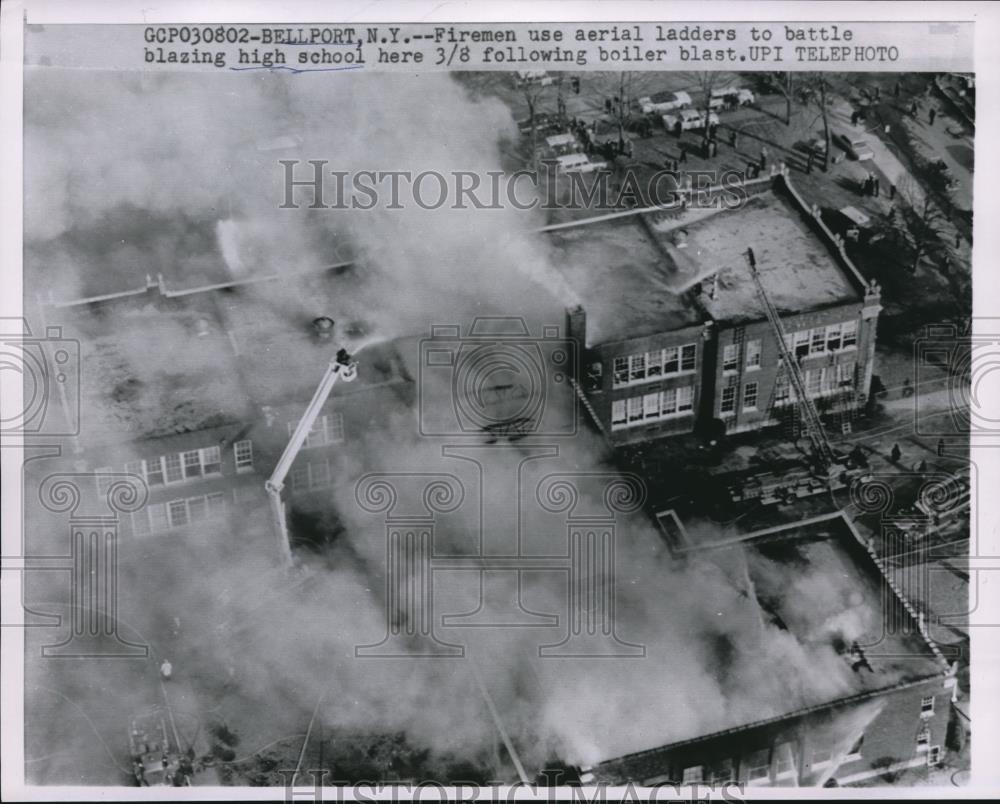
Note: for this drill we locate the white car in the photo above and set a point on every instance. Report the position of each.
(689, 119)
(578, 163)
(855, 146)
(732, 96)
(664, 102)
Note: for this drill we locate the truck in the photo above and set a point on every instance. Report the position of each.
(156, 761)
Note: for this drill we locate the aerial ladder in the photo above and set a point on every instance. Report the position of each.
(822, 450)
(342, 367)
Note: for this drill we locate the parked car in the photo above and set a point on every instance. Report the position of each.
(731, 97)
(540, 77)
(689, 119)
(578, 163)
(663, 102)
(855, 146)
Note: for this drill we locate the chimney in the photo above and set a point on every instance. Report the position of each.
(577, 325)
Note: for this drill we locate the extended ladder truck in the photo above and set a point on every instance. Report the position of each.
(830, 469)
(343, 368)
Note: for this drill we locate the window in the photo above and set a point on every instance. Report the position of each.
(927, 706)
(637, 367)
(635, 409)
(845, 374)
(192, 464)
(197, 509)
(178, 513)
(782, 390)
(216, 504)
(172, 468)
(753, 355)
(814, 380)
(158, 517)
(668, 402)
(618, 416)
(211, 461)
(722, 772)
(750, 396)
(154, 471)
(685, 398)
(654, 363)
(730, 357)
(300, 478)
(802, 343)
(784, 760)
(728, 400)
(758, 767)
(621, 371)
(134, 468)
(850, 335)
(319, 474)
(671, 360)
(327, 429)
(651, 406)
(934, 755)
(818, 343)
(833, 337)
(243, 450)
(923, 739)
(693, 775)
(689, 355)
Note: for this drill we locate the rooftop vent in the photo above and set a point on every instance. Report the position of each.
(680, 238)
(323, 327)
(202, 327)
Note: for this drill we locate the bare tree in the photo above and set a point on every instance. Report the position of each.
(816, 91)
(533, 93)
(785, 84)
(918, 220)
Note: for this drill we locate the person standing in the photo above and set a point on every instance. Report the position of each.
(931, 115)
(733, 138)
(763, 158)
(684, 153)
(892, 191)
(896, 453)
(809, 163)
(875, 186)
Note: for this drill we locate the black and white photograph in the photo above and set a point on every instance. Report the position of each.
(407, 409)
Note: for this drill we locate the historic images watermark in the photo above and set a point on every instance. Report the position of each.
(557, 184)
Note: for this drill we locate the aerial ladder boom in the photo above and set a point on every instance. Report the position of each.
(340, 368)
(813, 423)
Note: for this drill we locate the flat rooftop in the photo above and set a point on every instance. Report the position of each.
(154, 365)
(643, 274)
(802, 626)
(795, 265)
(619, 274)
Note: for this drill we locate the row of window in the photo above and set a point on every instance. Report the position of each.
(637, 410)
(731, 356)
(728, 403)
(161, 517)
(178, 467)
(654, 365)
(821, 381)
(823, 340)
(327, 429)
(757, 766)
